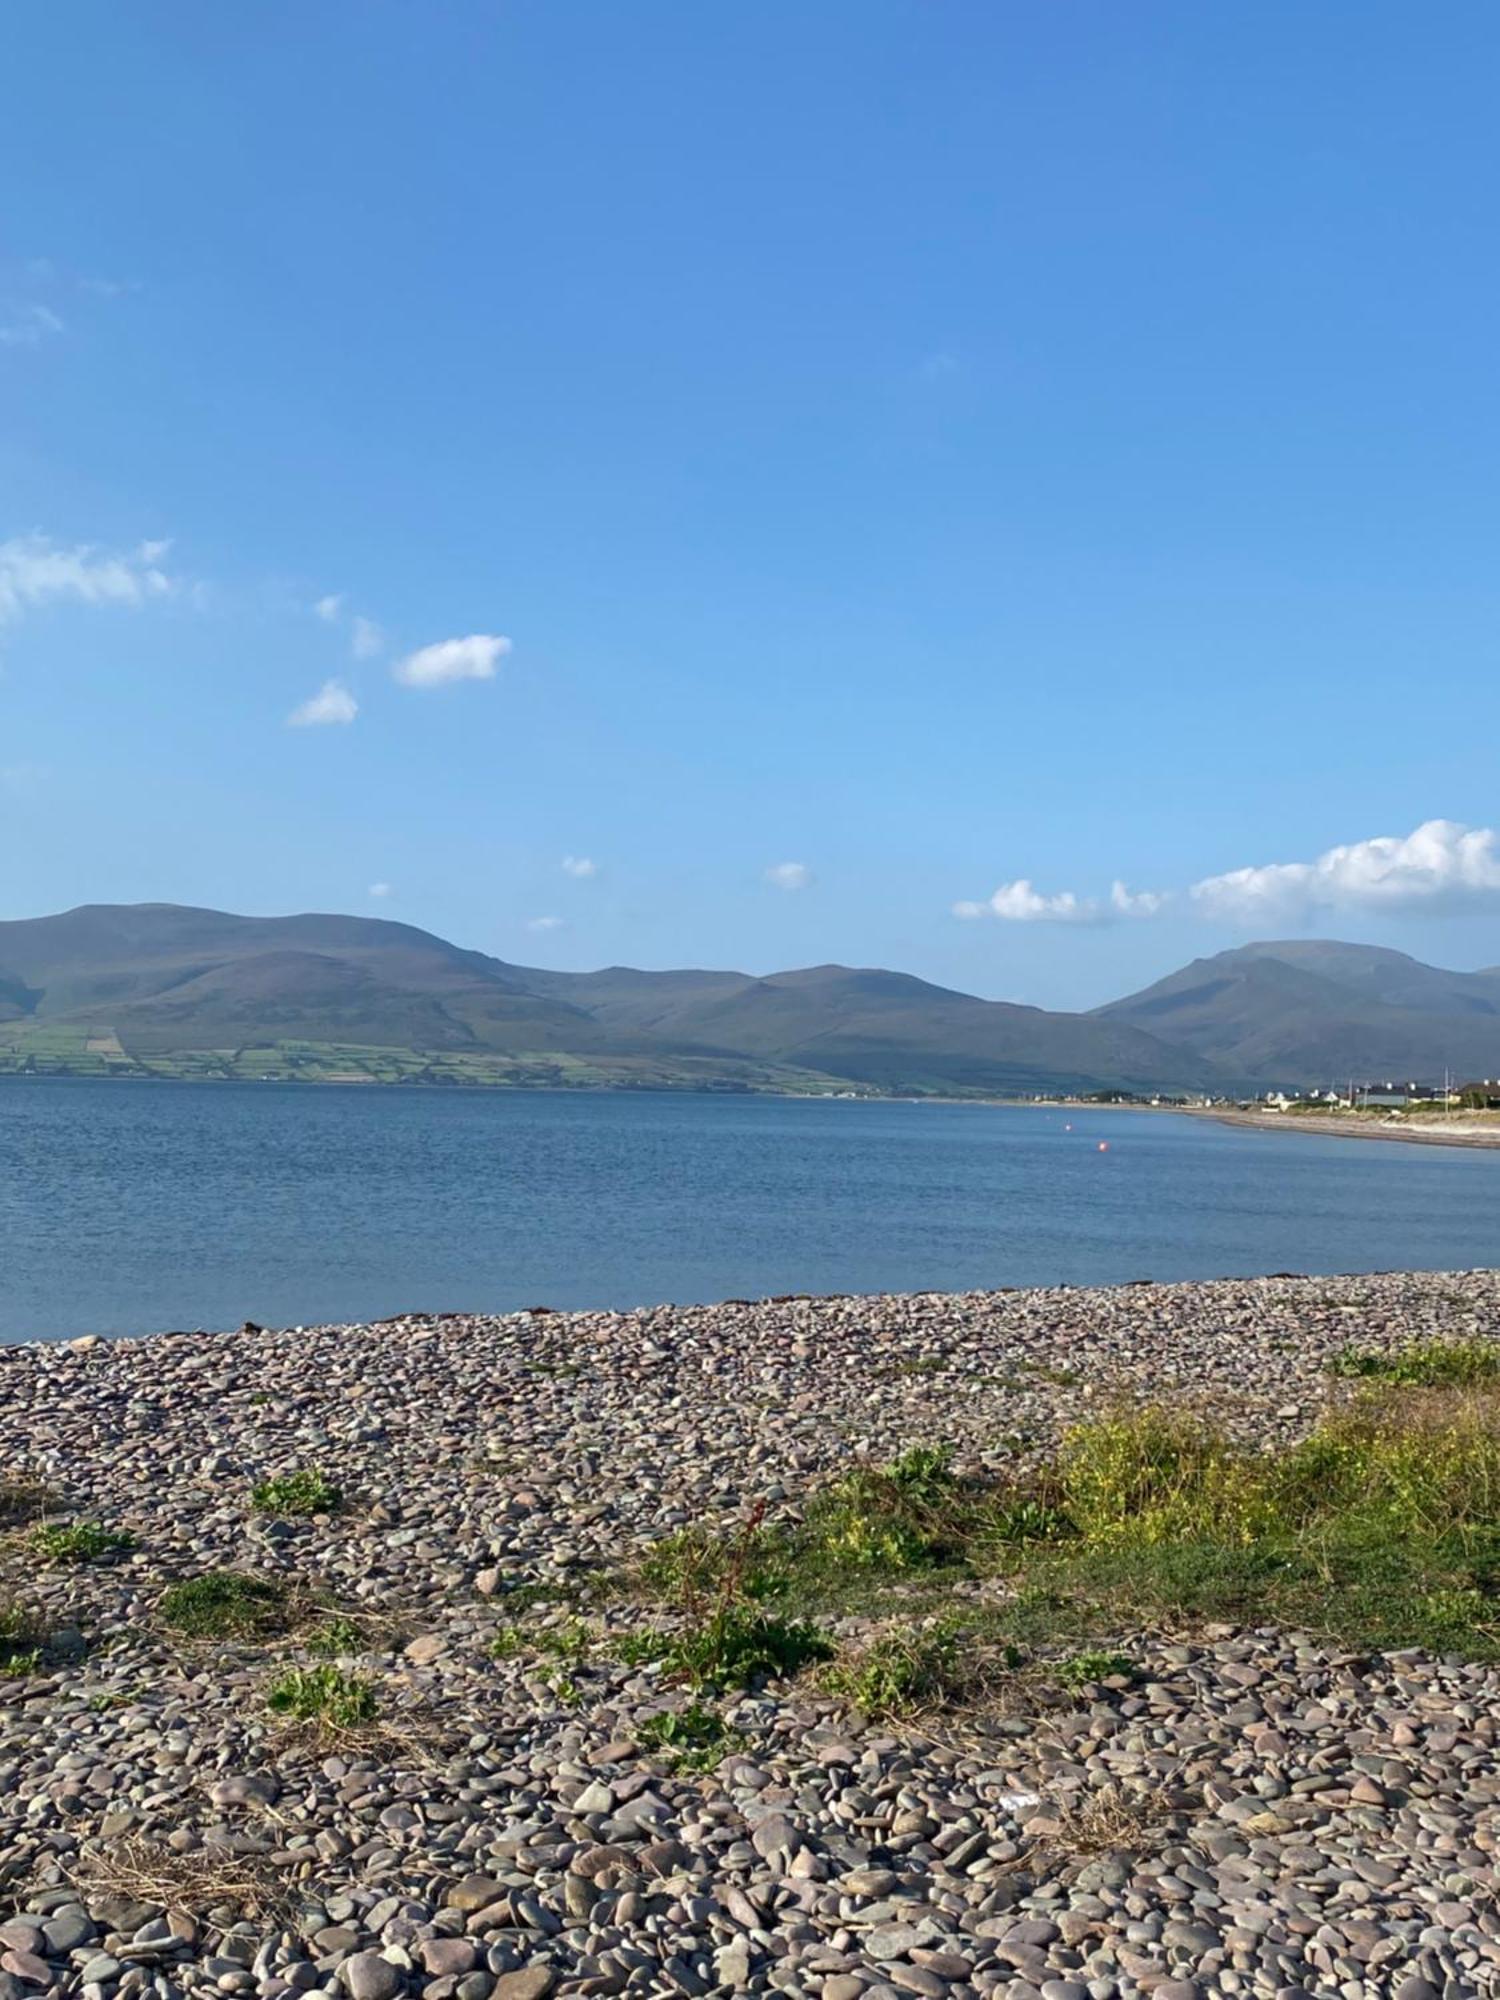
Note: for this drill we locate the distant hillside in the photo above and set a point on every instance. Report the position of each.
(162, 981)
(1315, 1011)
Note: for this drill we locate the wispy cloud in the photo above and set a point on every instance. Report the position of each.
(330, 609)
(365, 638)
(1440, 866)
(938, 365)
(36, 571)
(380, 890)
(472, 659)
(545, 924)
(29, 324)
(789, 875)
(579, 867)
(332, 703)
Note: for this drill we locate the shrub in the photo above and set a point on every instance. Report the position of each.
(1422, 1364)
(1146, 1475)
(305, 1491)
(222, 1604)
(904, 1516)
(322, 1694)
(904, 1669)
(77, 1542)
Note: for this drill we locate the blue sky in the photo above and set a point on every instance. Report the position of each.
(914, 449)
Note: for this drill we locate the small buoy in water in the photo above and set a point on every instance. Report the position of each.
(1104, 1145)
(1067, 1128)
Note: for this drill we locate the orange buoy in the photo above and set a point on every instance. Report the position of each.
(1104, 1145)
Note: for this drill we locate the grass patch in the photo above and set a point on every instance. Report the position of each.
(694, 1738)
(1089, 1668)
(1380, 1530)
(308, 1490)
(1422, 1364)
(23, 1638)
(223, 1604)
(324, 1694)
(77, 1542)
(903, 1670)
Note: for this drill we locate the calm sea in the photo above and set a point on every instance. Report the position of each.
(133, 1207)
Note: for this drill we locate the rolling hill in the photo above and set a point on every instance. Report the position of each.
(1313, 1011)
(155, 986)
(158, 981)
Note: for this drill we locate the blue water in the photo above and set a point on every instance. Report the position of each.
(132, 1207)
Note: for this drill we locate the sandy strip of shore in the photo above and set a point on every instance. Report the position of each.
(1329, 1125)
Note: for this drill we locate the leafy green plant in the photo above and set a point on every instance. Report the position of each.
(77, 1541)
(904, 1669)
(1087, 1668)
(1422, 1364)
(223, 1604)
(336, 1636)
(323, 1694)
(738, 1643)
(694, 1738)
(22, 1638)
(308, 1490)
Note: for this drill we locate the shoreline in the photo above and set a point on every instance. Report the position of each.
(512, 1815)
(1329, 1125)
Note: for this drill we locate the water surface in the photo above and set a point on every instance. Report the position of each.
(132, 1207)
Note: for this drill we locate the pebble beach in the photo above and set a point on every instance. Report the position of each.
(1253, 1812)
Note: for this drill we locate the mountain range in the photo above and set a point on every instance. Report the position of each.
(157, 987)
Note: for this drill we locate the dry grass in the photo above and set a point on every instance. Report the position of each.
(208, 1881)
(1111, 1820)
(25, 1497)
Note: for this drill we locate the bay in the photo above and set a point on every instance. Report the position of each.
(137, 1207)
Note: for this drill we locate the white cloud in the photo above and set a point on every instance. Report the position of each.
(329, 609)
(28, 325)
(1019, 903)
(365, 638)
(545, 924)
(579, 867)
(332, 703)
(380, 889)
(1442, 864)
(471, 659)
(35, 571)
(789, 875)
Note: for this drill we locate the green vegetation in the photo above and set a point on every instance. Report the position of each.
(1379, 1530)
(694, 1738)
(1422, 1364)
(305, 1491)
(336, 1636)
(77, 1542)
(222, 1604)
(905, 1669)
(1087, 1669)
(22, 1638)
(324, 1695)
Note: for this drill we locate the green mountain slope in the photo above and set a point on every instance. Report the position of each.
(169, 981)
(1316, 1011)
